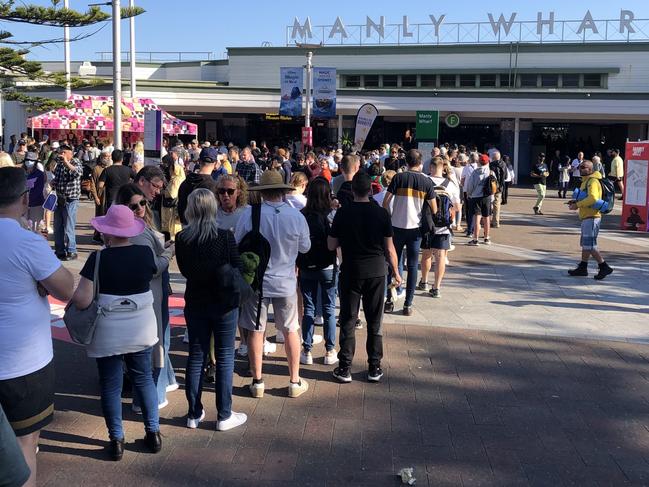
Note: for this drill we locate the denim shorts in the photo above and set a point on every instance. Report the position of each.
(589, 232)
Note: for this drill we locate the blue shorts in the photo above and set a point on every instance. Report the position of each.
(589, 232)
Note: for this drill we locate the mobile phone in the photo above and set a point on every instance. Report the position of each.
(50, 202)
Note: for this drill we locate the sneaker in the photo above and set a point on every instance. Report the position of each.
(331, 357)
(318, 320)
(296, 390)
(306, 358)
(388, 307)
(50, 231)
(435, 293)
(342, 374)
(172, 387)
(257, 390)
(487, 241)
(235, 419)
(242, 351)
(192, 423)
(536, 210)
(375, 373)
(359, 324)
(604, 270)
(495, 225)
(136, 409)
(407, 311)
(451, 248)
(473, 243)
(269, 347)
(423, 286)
(279, 338)
(317, 339)
(580, 271)
(163, 404)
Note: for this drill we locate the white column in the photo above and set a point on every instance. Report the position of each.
(309, 67)
(66, 54)
(340, 131)
(131, 3)
(517, 134)
(117, 75)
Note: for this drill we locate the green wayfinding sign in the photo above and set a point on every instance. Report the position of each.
(427, 125)
(452, 120)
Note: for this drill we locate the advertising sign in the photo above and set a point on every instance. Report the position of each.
(291, 83)
(427, 125)
(152, 136)
(636, 187)
(324, 92)
(364, 120)
(307, 136)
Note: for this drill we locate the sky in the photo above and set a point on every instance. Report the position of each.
(212, 26)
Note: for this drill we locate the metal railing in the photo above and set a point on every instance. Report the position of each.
(563, 31)
(159, 56)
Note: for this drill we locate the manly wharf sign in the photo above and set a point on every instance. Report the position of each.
(501, 29)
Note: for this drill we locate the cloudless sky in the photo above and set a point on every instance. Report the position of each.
(214, 25)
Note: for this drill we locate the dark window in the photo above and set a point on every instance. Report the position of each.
(592, 80)
(549, 80)
(447, 81)
(507, 80)
(467, 80)
(353, 81)
(570, 80)
(409, 80)
(428, 80)
(371, 80)
(487, 80)
(528, 80)
(390, 80)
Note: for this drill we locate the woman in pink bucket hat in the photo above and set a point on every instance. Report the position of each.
(126, 326)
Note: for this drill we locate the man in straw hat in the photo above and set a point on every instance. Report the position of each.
(287, 231)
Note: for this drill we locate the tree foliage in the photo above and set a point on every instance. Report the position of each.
(15, 67)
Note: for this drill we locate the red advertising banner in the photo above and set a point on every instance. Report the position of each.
(636, 187)
(307, 136)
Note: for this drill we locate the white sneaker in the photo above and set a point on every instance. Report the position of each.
(50, 231)
(236, 419)
(172, 387)
(317, 339)
(279, 338)
(306, 358)
(163, 404)
(319, 320)
(242, 351)
(331, 357)
(269, 347)
(193, 423)
(186, 336)
(296, 390)
(257, 390)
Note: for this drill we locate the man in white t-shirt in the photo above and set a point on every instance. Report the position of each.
(287, 232)
(439, 243)
(30, 271)
(575, 179)
(467, 170)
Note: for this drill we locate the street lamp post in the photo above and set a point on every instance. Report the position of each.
(131, 3)
(66, 55)
(117, 75)
(309, 72)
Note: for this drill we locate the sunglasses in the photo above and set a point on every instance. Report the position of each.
(229, 191)
(156, 186)
(135, 206)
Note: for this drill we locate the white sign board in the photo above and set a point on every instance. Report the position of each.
(152, 137)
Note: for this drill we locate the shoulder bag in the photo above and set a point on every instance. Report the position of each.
(81, 323)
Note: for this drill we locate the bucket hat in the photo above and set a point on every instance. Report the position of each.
(271, 180)
(119, 221)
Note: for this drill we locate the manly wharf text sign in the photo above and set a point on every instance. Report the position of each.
(496, 29)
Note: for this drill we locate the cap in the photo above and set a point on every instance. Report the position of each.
(31, 156)
(55, 145)
(484, 158)
(22, 142)
(65, 147)
(208, 154)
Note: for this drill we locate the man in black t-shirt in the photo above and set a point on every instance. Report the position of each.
(113, 178)
(363, 231)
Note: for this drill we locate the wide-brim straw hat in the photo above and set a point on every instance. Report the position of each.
(271, 180)
(119, 222)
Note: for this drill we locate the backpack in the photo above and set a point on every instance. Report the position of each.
(440, 219)
(490, 185)
(319, 256)
(606, 204)
(254, 250)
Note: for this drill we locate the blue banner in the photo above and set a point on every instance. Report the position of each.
(324, 92)
(291, 83)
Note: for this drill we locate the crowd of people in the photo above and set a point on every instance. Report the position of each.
(250, 229)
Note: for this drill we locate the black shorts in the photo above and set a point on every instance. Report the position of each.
(436, 242)
(481, 206)
(28, 401)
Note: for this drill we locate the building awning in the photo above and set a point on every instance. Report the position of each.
(95, 113)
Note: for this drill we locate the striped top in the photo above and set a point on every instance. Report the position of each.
(411, 191)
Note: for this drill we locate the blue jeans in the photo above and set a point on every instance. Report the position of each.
(65, 221)
(316, 284)
(138, 365)
(202, 321)
(411, 239)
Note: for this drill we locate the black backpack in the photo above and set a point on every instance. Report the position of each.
(440, 219)
(319, 256)
(254, 245)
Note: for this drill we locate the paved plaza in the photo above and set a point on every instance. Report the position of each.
(518, 375)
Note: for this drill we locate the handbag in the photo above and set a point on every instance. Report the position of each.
(82, 323)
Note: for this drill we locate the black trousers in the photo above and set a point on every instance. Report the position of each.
(370, 292)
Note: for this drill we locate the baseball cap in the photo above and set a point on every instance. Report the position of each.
(208, 154)
(484, 158)
(55, 145)
(31, 156)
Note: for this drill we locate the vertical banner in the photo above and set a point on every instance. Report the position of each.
(636, 187)
(324, 92)
(364, 120)
(152, 137)
(427, 126)
(291, 83)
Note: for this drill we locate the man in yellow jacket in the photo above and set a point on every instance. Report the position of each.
(587, 200)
